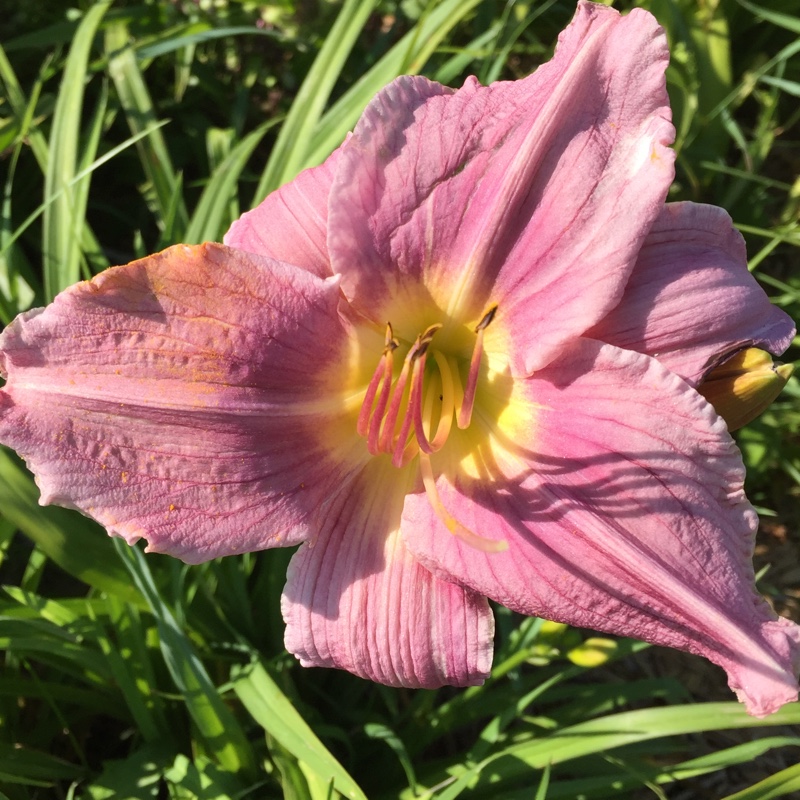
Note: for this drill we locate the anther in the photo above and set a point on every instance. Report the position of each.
(390, 343)
(465, 411)
(487, 318)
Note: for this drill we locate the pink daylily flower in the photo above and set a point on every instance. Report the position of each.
(525, 428)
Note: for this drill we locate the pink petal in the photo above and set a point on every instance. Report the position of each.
(179, 399)
(619, 493)
(291, 224)
(690, 301)
(535, 195)
(356, 599)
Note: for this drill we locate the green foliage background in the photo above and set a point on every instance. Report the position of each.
(128, 126)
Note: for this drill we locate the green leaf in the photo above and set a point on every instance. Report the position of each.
(216, 724)
(777, 785)
(290, 153)
(791, 23)
(160, 48)
(64, 217)
(78, 546)
(600, 735)
(386, 734)
(33, 768)
(211, 218)
(270, 707)
(408, 56)
(201, 780)
(140, 113)
(137, 777)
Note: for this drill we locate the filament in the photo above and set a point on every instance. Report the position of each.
(467, 404)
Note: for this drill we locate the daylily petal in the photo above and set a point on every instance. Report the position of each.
(291, 224)
(179, 399)
(534, 195)
(355, 598)
(620, 496)
(690, 300)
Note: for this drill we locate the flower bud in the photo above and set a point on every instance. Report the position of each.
(744, 386)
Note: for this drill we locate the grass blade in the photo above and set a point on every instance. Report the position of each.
(140, 113)
(290, 153)
(210, 218)
(275, 713)
(220, 731)
(408, 56)
(77, 545)
(777, 785)
(63, 218)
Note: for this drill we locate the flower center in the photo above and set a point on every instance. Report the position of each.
(401, 418)
(397, 415)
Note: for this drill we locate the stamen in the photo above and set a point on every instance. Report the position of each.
(386, 444)
(416, 356)
(411, 410)
(415, 403)
(380, 409)
(453, 525)
(467, 404)
(447, 410)
(369, 398)
(458, 389)
(383, 372)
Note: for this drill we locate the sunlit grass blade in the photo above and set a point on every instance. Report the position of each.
(21, 107)
(211, 217)
(34, 215)
(745, 87)
(77, 545)
(384, 733)
(476, 50)
(204, 34)
(90, 257)
(64, 217)
(201, 779)
(219, 730)
(594, 736)
(129, 664)
(607, 782)
(291, 150)
(408, 56)
(270, 707)
(778, 785)
(137, 777)
(137, 105)
(18, 286)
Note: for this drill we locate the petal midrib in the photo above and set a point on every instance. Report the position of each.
(526, 161)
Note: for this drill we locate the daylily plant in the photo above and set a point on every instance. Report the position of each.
(457, 361)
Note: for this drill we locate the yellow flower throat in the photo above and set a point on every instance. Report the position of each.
(399, 416)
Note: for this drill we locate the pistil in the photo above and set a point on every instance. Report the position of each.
(448, 520)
